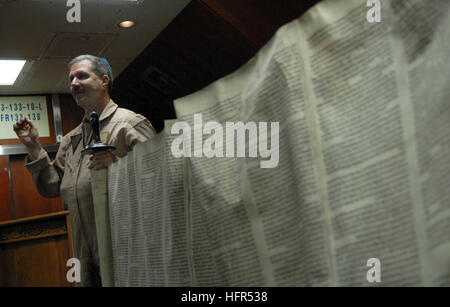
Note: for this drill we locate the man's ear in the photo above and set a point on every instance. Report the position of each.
(105, 81)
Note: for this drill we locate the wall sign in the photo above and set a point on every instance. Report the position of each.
(14, 108)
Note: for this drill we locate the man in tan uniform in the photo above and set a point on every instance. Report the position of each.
(69, 174)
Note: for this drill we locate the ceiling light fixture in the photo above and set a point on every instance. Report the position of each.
(127, 24)
(10, 70)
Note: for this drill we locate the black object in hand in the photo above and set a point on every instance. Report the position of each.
(98, 145)
(95, 124)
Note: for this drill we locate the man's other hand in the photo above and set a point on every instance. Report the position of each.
(102, 159)
(27, 132)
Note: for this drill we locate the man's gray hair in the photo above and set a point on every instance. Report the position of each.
(100, 67)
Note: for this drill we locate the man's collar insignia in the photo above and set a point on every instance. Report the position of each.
(75, 141)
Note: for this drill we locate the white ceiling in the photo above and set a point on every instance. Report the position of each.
(38, 31)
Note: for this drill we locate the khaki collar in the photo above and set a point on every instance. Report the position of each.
(109, 109)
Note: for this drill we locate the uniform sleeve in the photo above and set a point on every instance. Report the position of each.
(47, 174)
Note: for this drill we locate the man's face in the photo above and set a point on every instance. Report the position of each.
(87, 88)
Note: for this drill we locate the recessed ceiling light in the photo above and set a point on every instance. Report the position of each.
(127, 24)
(10, 70)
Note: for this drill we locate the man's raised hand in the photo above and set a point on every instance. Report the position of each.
(28, 135)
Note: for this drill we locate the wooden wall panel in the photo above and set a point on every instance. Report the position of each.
(71, 113)
(34, 251)
(5, 199)
(27, 200)
(35, 263)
